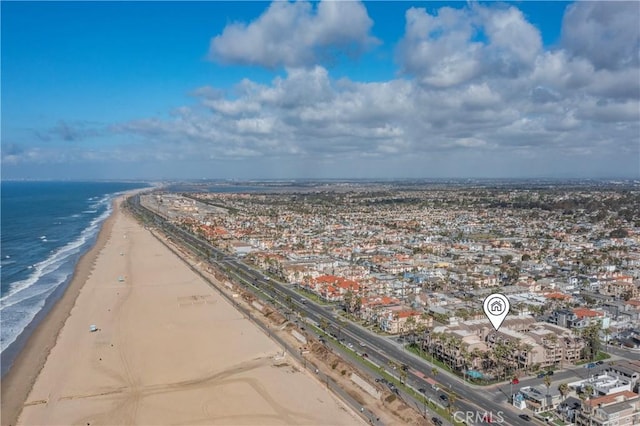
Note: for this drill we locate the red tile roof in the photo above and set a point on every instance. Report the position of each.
(584, 312)
(612, 398)
(558, 295)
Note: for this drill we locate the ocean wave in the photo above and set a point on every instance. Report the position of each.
(25, 298)
(53, 262)
(18, 319)
(7, 262)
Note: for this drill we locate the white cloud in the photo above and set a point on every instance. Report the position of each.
(607, 33)
(478, 91)
(437, 49)
(456, 46)
(308, 115)
(295, 34)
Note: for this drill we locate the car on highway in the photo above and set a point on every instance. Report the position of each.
(525, 417)
(436, 421)
(549, 373)
(444, 397)
(364, 355)
(422, 390)
(350, 345)
(541, 375)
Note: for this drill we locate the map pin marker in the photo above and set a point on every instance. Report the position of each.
(496, 307)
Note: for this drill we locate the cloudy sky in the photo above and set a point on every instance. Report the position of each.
(327, 90)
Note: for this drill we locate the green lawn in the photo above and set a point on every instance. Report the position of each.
(311, 296)
(600, 357)
(427, 357)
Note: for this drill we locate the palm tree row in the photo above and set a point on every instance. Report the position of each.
(505, 359)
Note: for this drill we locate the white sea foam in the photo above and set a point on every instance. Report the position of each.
(25, 299)
(51, 263)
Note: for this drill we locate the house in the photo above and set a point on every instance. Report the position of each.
(578, 318)
(399, 319)
(618, 409)
(603, 384)
(537, 398)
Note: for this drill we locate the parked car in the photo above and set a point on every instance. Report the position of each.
(600, 362)
(525, 417)
(422, 390)
(436, 421)
(549, 373)
(541, 375)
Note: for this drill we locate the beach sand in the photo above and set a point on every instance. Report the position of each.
(168, 350)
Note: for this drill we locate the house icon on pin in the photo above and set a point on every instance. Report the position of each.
(496, 306)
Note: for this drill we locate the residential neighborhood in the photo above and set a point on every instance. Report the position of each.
(415, 264)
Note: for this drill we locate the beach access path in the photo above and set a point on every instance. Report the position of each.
(168, 350)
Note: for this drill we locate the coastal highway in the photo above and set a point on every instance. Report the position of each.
(472, 401)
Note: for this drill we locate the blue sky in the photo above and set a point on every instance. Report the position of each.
(338, 89)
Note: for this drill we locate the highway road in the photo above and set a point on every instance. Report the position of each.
(470, 399)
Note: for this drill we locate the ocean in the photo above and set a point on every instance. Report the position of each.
(45, 228)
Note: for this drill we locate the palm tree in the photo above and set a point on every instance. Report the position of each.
(607, 333)
(420, 329)
(403, 375)
(466, 360)
(323, 324)
(452, 399)
(410, 324)
(563, 388)
(525, 347)
(341, 324)
(547, 383)
(433, 338)
(588, 391)
(474, 356)
(499, 355)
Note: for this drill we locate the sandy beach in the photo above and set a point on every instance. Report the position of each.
(168, 350)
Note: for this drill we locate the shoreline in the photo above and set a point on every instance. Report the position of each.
(31, 356)
(157, 356)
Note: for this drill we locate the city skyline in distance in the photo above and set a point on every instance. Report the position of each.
(283, 90)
